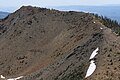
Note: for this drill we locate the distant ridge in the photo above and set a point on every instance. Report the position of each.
(3, 14)
(112, 5)
(111, 11)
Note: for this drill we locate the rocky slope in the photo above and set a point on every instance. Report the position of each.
(44, 44)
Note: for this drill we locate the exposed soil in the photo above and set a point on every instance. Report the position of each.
(44, 44)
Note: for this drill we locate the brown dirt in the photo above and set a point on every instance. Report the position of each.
(43, 44)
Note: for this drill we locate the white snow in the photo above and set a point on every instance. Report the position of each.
(92, 66)
(11, 78)
(94, 22)
(2, 77)
(91, 69)
(95, 52)
(15, 78)
(101, 28)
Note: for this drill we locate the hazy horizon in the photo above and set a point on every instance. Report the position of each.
(18, 3)
(12, 8)
(12, 5)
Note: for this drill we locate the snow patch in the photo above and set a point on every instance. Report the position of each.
(92, 65)
(2, 77)
(94, 22)
(91, 69)
(101, 28)
(95, 52)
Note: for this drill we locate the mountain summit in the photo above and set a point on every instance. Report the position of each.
(43, 44)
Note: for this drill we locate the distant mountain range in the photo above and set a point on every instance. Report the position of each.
(3, 14)
(111, 11)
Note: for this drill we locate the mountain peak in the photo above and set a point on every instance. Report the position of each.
(39, 43)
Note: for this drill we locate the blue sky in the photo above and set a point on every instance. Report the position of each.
(43, 3)
(8, 3)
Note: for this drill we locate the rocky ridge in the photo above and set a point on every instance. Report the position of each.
(44, 44)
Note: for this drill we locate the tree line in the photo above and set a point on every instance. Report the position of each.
(112, 24)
